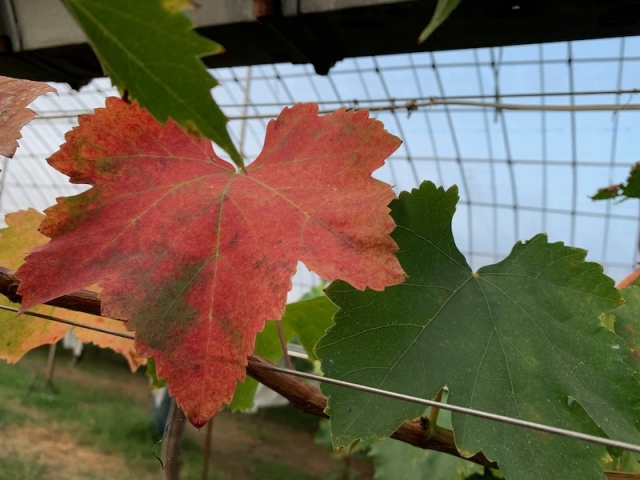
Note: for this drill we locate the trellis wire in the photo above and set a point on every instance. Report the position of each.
(412, 105)
(70, 322)
(398, 396)
(454, 408)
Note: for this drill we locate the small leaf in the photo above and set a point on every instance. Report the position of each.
(151, 373)
(198, 256)
(607, 193)
(444, 8)
(15, 95)
(521, 338)
(629, 190)
(149, 49)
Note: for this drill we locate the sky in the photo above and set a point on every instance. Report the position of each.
(519, 172)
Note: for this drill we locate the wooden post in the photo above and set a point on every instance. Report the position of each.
(51, 363)
(206, 451)
(172, 442)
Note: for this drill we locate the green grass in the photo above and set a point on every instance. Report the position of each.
(96, 412)
(101, 419)
(16, 468)
(275, 471)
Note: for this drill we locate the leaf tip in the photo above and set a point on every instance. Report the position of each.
(198, 420)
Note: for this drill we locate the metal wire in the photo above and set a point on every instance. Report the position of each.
(411, 104)
(454, 408)
(377, 391)
(69, 322)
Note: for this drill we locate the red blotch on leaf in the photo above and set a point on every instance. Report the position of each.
(195, 255)
(15, 95)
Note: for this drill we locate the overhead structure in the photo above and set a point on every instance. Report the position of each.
(520, 171)
(39, 40)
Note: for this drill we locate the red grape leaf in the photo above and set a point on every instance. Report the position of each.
(195, 255)
(15, 95)
(18, 335)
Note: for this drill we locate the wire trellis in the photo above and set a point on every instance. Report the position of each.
(607, 442)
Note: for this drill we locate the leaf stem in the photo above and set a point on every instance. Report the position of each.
(433, 414)
(283, 344)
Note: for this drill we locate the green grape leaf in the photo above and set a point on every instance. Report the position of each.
(521, 338)
(631, 189)
(626, 323)
(153, 376)
(400, 461)
(149, 49)
(441, 13)
(307, 320)
(323, 437)
(317, 291)
(627, 317)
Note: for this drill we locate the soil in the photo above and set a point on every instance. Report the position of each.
(62, 457)
(267, 441)
(240, 443)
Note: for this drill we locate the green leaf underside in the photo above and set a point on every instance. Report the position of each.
(520, 338)
(444, 8)
(631, 189)
(307, 319)
(396, 460)
(153, 54)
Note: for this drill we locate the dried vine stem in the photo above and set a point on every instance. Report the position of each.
(80, 301)
(302, 395)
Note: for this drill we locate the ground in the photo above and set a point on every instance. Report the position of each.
(97, 427)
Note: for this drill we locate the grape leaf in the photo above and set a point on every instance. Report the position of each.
(626, 323)
(15, 95)
(196, 255)
(629, 190)
(520, 338)
(307, 320)
(444, 8)
(400, 461)
(149, 49)
(18, 335)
